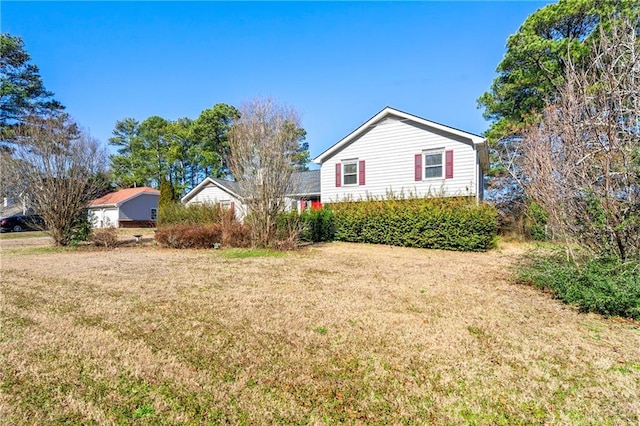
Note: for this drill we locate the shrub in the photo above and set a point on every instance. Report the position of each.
(229, 234)
(189, 236)
(79, 229)
(606, 286)
(319, 225)
(105, 237)
(535, 222)
(437, 223)
(194, 214)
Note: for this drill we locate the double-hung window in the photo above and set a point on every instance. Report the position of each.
(350, 173)
(433, 164)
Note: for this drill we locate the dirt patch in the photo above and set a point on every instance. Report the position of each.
(334, 333)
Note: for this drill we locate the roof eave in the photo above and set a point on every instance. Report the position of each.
(475, 139)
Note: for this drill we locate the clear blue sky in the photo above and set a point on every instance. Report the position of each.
(337, 63)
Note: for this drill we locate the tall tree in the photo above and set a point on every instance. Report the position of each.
(211, 130)
(59, 168)
(534, 67)
(129, 165)
(22, 92)
(531, 73)
(582, 163)
(183, 151)
(263, 146)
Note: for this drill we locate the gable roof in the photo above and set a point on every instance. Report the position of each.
(228, 186)
(117, 198)
(477, 140)
(307, 183)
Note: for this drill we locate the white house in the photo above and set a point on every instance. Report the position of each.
(132, 207)
(400, 153)
(306, 193)
(228, 193)
(217, 191)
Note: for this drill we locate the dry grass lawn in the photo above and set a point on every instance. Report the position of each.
(339, 333)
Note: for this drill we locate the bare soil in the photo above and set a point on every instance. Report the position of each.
(336, 333)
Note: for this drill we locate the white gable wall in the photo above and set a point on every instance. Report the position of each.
(213, 194)
(103, 217)
(388, 150)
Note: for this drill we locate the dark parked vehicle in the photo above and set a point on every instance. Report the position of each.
(21, 222)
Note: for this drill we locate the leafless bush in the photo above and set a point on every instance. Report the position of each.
(105, 237)
(263, 143)
(55, 165)
(582, 163)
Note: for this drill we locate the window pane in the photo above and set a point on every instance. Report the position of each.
(350, 168)
(350, 179)
(433, 172)
(433, 159)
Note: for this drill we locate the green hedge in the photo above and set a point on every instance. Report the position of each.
(315, 225)
(194, 214)
(606, 286)
(436, 223)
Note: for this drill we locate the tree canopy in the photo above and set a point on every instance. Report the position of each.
(183, 151)
(22, 91)
(533, 68)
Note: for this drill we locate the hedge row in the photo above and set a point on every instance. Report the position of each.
(435, 223)
(194, 214)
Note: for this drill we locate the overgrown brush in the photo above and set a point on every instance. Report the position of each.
(105, 237)
(605, 285)
(200, 226)
(435, 223)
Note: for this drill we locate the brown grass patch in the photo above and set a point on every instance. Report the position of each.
(336, 333)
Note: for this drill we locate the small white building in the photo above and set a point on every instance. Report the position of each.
(400, 153)
(127, 208)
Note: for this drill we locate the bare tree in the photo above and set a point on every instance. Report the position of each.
(582, 163)
(57, 166)
(263, 145)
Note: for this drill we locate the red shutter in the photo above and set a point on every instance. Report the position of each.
(418, 167)
(232, 206)
(448, 164)
(361, 172)
(338, 175)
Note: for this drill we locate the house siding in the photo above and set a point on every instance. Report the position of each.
(389, 150)
(212, 194)
(138, 208)
(103, 217)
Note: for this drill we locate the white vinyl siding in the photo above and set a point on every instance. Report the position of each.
(212, 194)
(389, 149)
(104, 217)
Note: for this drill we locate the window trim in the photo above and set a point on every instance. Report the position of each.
(440, 151)
(346, 163)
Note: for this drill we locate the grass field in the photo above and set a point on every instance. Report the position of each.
(337, 333)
